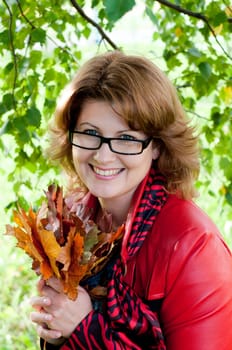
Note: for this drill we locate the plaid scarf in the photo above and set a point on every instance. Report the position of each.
(125, 309)
(129, 323)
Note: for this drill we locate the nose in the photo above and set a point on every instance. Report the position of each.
(104, 153)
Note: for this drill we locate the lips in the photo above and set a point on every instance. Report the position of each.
(106, 172)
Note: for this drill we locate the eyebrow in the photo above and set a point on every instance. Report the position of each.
(87, 123)
(97, 128)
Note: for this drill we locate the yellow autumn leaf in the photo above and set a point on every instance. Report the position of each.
(51, 248)
(228, 11)
(223, 190)
(21, 219)
(217, 30)
(227, 94)
(178, 32)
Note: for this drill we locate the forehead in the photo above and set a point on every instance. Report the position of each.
(100, 114)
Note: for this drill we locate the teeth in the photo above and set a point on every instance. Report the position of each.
(109, 172)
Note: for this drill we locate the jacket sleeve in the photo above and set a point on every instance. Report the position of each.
(197, 309)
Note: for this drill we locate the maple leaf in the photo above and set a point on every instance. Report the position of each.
(76, 270)
(51, 248)
(23, 233)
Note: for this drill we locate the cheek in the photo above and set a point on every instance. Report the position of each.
(140, 163)
(78, 155)
(77, 159)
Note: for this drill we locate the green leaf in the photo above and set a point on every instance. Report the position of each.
(225, 165)
(8, 68)
(8, 101)
(33, 117)
(35, 58)
(38, 35)
(193, 51)
(19, 124)
(151, 15)
(229, 197)
(3, 109)
(23, 137)
(219, 18)
(5, 37)
(94, 3)
(216, 117)
(50, 75)
(4, 128)
(115, 9)
(205, 69)
(208, 133)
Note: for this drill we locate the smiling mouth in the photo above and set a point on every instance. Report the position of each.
(106, 172)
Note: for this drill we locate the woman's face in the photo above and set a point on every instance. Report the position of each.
(108, 175)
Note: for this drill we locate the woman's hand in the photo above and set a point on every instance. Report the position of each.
(56, 315)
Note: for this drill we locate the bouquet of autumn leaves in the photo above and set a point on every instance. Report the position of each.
(62, 242)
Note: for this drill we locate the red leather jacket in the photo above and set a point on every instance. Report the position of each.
(185, 261)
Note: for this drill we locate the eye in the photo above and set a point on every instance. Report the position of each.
(127, 137)
(91, 132)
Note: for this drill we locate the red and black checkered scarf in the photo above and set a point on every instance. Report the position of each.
(128, 323)
(126, 310)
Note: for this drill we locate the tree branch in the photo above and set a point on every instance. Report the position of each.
(195, 15)
(196, 114)
(13, 53)
(93, 23)
(23, 15)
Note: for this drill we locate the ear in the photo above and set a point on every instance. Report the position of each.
(155, 152)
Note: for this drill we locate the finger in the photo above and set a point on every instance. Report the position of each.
(48, 334)
(41, 283)
(40, 302)
(81, 289)
(55, 284)
(41, 318)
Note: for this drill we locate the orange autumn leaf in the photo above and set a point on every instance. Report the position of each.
(71, 281)
(116, 235)
(46, 270)
(24, 242)
(66, 251)
(75, 271)
(51, 248)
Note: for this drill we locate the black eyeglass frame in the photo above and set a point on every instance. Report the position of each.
(108, 140)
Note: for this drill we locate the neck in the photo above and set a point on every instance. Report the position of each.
(117, 208)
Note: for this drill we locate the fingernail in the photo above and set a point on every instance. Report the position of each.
(48, 317)
(58, 335)
(46, 301)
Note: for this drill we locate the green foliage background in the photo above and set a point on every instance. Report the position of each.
(42, 44)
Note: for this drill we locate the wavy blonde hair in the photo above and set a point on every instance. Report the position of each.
(144, 97)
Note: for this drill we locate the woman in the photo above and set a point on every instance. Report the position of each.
(120, 132)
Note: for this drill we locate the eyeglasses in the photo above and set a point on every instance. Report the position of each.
(117, 145)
